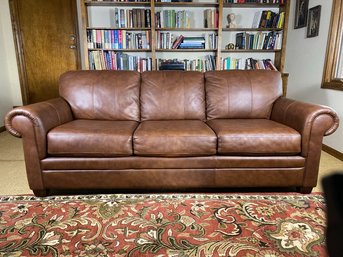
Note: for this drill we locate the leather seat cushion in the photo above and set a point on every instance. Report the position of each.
(255, 137)
(174, 138)
(92, 138)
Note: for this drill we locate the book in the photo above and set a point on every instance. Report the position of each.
(240, 40)
(177, 42)
(193, 40)
(256, 20)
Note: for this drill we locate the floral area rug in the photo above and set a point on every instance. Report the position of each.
(191, 225)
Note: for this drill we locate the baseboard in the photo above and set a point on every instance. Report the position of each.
(333, 152)
(2, 129)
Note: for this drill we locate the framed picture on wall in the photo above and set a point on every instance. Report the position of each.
(301, 9)
(313, 21)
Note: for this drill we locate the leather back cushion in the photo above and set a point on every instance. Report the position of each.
(167, 95)
(102, 95)
(241, 94)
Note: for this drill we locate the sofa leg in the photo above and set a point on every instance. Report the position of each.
(305, 190)
(40, 193)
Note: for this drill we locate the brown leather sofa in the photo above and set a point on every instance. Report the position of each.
(171, 130)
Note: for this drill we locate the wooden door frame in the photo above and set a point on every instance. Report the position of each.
(18, 44)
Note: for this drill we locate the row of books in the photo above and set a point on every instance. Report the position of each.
(230, 63)
(211, 18)
(117, 39)
(141, 18)
(173, 19)
(171, 65)
(255, 1)
(254, 64)
(259, 40)
(207, 63)
(191, 43)
(132, 18)
(268, 19)
(110, 60)
(167, 40)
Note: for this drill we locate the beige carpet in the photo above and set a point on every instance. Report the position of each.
(13, 176)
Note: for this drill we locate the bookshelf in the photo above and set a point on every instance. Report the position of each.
(153, 34)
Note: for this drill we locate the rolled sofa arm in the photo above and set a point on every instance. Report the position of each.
(303, 117)
(32, 123)
(39, 118)
(313, 122)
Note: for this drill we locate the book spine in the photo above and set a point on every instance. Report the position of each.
(120, 39)
(116, 40)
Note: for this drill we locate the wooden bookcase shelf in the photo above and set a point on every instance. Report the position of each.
(250, 50)
(251, 29)
(110, 3)
(120, 50)
(186, 29)
(114, 28)
(251, 5)
(185, 4)
(186, 50)
(221, 31)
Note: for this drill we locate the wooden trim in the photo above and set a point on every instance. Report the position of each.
(84, 25)
(2, 129)
(333, 85)
(219, 34)
(77, 34)
(251, 50)
(251, 5)
(183, 50)
(333, 152)
(115, 3)
(186, 29)
(13, 4)
(153, 36)
(113, 28)
(280, 56)
(332, 49)
(123, 50)
(284, 77)
(185, 4)
(251, 29)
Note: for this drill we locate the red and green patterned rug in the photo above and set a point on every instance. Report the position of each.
(176, 225)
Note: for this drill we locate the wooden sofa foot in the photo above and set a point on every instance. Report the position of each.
(40, 193)
(305, 190)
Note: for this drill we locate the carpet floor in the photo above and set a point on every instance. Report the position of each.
(177, 225)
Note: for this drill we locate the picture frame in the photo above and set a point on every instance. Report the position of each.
(301, 10)
(313, 21)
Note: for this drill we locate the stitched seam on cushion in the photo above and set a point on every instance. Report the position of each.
(163, 136)
(276, 136)
(184, 98)
(252, 97)
(228, 98)
(58, 115)
(93, 99)
(60, 152)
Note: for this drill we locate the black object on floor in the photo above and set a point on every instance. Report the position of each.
(333, 190)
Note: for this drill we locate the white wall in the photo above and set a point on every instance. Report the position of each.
(305, 59)
(10, 94)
